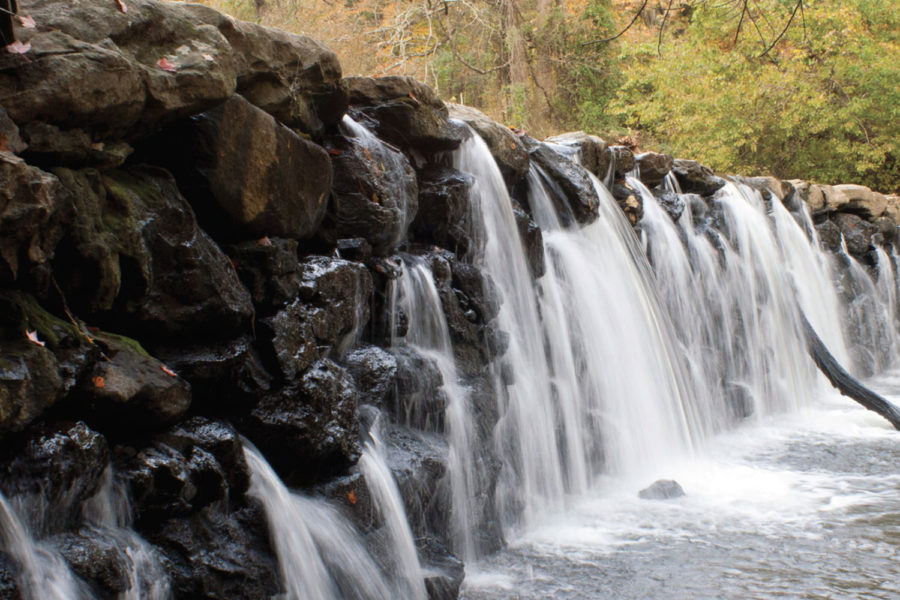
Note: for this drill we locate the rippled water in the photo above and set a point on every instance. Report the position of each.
(799, 506)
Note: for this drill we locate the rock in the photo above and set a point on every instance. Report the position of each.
(96, 559)
(48, 146)
(623, 160)
(10, 140)
(129, 388)
(445, 572)
(532, 240)
(857, 233)
(892, 209)
(506, 147)
(442, 218)
(355, 249)
(59, 466)
(629, 201)
(9, 573)
(835, 199)
(32, 209)
(810, 193)
(220, 556)
(830, 235)
(313, 418)
(672, 203)
(373, 370)
(94, 67)
(288, 338)
(405, 113)
(663, 489)
(136, 259)
(862, 201)
(294, 78)
(475, 290)
(419, 399)
(888, 229)
(269, 269)
(769, 185)
(569, 185)
(653, 167)
(246, 174)
(374, 195)
(695, 178)
(593, 153)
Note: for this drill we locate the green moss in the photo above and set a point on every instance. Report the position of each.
(50, 328)
(114, 339)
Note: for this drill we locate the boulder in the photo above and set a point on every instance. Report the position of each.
(663, 489)
(568, 183)
(374, 371)
(374, 195)
(405, 113)
(857, 233)
(532, 240)
(630, 202)
(269, 269)
(96, 559)
(769, 185)
(672, 203)
(862, 201)
(695, 178)
(835, 199)
(593, 152)
(419, 399)
(829, 235)
(892, 209)
(48, 146)
(136, 260)
(442, 218)
(888, 229)
(623, 160)
(653, 167)
(314, 418)
(445, 572)
(288, 340)
(810, 193)
(506, 147)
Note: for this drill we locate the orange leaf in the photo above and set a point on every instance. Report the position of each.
(168, 371)
(32, 335)
(335, 152)
(375, 198)
(98, 382)
(18, 47)
(351, 496)
(122, 6)
(165, 65)
(264, 241)
(27, 21)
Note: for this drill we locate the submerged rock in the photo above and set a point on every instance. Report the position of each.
(663, 489)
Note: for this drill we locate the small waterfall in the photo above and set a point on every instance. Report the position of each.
(44, 575)
(429, 335)
(389, 505)
(320, 555)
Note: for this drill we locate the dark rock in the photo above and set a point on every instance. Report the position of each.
(442, 218)
(374, 195)
(653, 167)
(857, 233)
(219, 556)
(374, 371)
(289, 338)
(532, 240)
(663, 489)
(355, 249)
(314, 418)
(769, 186)
(49, 146)
(406, 113)
(476, 290)
(445, 572)
(10, 140)
(505, 146)
(695, 178)
(569, 184)
(129, 388)
(137, 260)
(888, 229)
(419, 399)
(830, 235)
(593, 153)
(96, 559)
(59, 467)
(672, 203)
(9, 573)
(269, 269)
(623, 160)
(630, 202)
(32, 206)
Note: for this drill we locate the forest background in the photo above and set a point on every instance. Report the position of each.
(791, 88)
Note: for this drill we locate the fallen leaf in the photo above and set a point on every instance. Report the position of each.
(32, 335)
(375, 198)
(98, 146)
(27, 21)
(165, 65)
(335, 152)
(122, 6)
(168, 371)
(351, 496)
(264, 241)
(98, 382)
(18, 47)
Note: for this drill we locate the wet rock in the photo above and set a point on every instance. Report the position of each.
(374, 195)
(532, 240)
(888, 229)
(629, 201)
(288, 336)
(9, 573)
(96, 559)
(809, 193)
(94, 67)
(830, 235)
(663, 489)
(10, 140)
(476, 291)
(445, 572)
(406, 113)
(219, 556)
(374, 371)
(672, 203)
(695, 178)
(49, 146)
(355, 249)
(129, 388)
(314, 418)
(569, 185)
(506, 147)
(269, 269)
(653, 167)
(593, 152)
(419, 399)
(857, 233)
(136, 259)
(623, 160)
(862, 201)
(59, 466)
(442, 218)
(769, 186)
(32, 208)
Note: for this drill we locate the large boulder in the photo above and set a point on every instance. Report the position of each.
(862, 201)
(568, 183)
(136, 259)
(835, 199)
(442, 218)
(374, 195)
(653, 167)
(857, 233)
(695, 178)
(593, 153)
(506, 147)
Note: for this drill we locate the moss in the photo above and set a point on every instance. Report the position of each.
(114, 340)
(50, 328)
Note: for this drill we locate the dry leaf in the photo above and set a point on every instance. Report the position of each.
(27, 21)
(351, 496)
(168, 371)
(335, 152)
(264, 241)
(18, 47)
(98, 146)
(98, 382)
(165, 65)
(32, 335)
(375, 198)
(122, 6)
